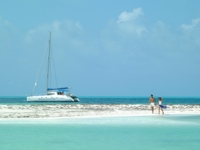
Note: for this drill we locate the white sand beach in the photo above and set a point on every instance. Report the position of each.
(88, 110)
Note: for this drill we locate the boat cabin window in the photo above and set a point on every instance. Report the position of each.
(60, 93)
(51, 93)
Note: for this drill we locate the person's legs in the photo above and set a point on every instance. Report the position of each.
(162, 111)
(152, 108)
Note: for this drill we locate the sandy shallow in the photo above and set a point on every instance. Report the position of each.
(87, 110)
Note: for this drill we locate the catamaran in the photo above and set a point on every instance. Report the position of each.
(53, 94)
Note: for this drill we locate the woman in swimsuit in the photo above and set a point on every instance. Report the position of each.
(159, 105)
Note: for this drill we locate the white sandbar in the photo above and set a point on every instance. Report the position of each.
(89, 110)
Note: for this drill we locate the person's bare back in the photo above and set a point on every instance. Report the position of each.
(151, 100)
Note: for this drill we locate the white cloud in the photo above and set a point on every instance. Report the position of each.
(191, 26)
(130, 16)
(129, 38)
(58, 28)
(130, 23)
(191, 32)
(7, 30)
(131, 29)
(160, 25)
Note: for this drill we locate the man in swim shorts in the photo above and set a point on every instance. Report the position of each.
(152, 103)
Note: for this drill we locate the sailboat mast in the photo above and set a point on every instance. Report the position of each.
(48, 67)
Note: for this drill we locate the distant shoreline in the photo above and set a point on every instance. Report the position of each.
(89, 110)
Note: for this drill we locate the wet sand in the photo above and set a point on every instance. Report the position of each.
(88, 110)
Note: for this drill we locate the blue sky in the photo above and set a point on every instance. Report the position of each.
(102, 48)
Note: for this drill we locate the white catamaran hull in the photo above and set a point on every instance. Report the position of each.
(50, 98)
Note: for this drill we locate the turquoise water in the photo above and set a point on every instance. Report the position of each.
(111, 133)
(105, 100)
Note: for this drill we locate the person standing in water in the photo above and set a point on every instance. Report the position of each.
(152, 103)
(160, 106)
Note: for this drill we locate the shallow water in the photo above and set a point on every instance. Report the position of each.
(128, 133)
